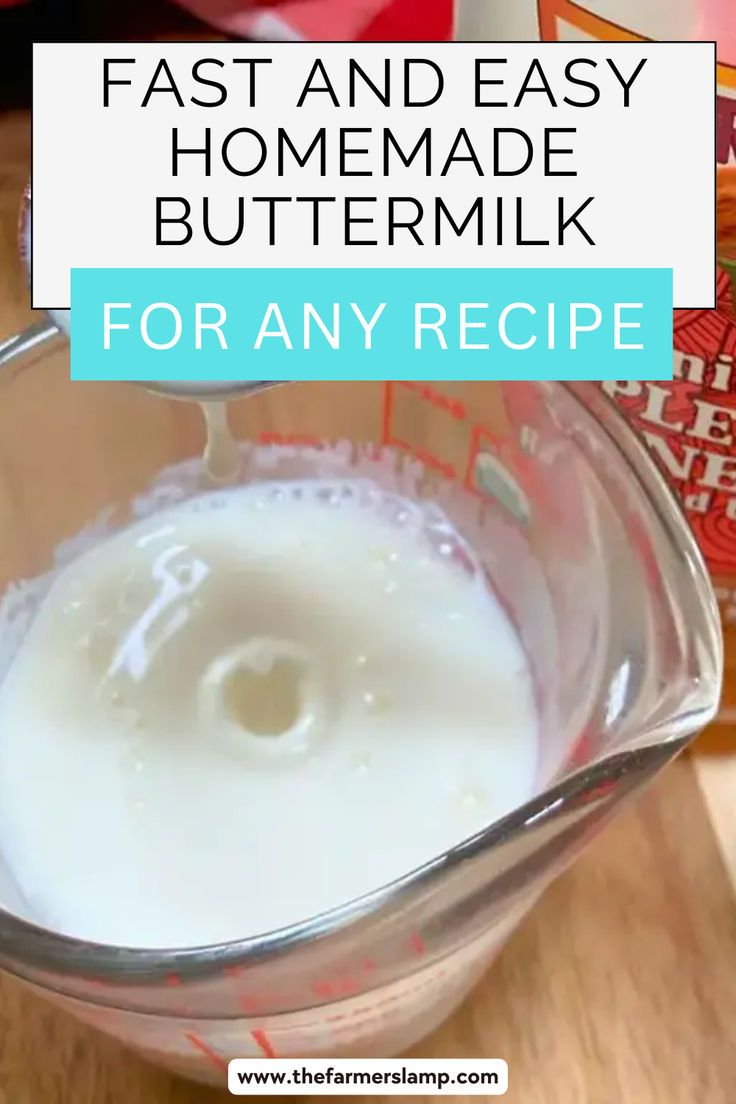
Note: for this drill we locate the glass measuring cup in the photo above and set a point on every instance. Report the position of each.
(589, 552)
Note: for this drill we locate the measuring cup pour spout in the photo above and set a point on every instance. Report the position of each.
(631, 670)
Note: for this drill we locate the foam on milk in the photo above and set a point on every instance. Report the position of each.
(253, 707)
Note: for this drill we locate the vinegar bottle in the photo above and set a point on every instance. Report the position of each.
(689, 423)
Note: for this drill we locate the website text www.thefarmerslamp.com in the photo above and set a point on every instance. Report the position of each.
(368, 1076)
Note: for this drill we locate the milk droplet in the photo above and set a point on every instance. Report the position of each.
(221, 457)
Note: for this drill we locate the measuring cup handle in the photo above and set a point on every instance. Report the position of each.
(21, 344)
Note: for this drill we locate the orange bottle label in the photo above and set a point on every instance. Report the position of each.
(690, 423)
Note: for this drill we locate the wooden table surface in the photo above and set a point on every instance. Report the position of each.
(620, 986)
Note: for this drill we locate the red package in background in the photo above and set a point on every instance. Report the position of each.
(328, 20)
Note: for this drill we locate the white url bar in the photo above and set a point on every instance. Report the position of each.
(368, 1077)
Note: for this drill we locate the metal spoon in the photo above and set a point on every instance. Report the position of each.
(56, 325)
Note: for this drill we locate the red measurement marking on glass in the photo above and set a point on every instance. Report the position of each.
(199, 1044)
(250, 1005)
(453, 407)
(597, 793)
(172, 980)
(262, 1041)
(388, 410)
(344, 985)
(340, 987)
(233, 971)
(96, 981)
(417, 944)
(584, 748)
(303, 440)
(432, 461)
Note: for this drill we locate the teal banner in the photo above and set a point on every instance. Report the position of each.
(358, 324)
